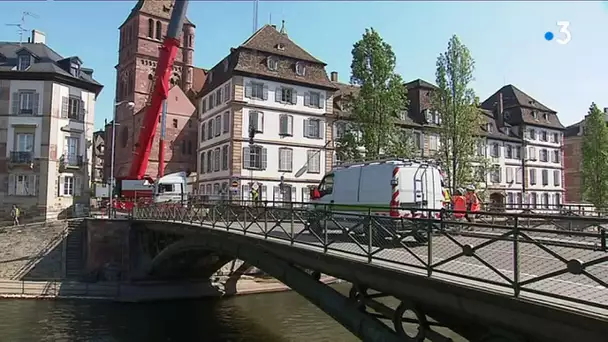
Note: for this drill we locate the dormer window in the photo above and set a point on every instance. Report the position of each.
(75, 70)
(546, 116)
(24, 62)
(280, 46)
(272, 63)
(300, 69)
(534, 115)
(489, 127)
(225, 64)
(506, 115)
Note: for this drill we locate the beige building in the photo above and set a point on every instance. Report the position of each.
(47, 106)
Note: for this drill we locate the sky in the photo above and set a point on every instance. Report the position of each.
(506, 39)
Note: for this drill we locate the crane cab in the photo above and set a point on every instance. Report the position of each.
(171, 188)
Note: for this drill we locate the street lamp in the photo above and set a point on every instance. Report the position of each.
(130, 105)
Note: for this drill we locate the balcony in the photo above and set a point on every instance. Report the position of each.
(21, 158)
(71, 162)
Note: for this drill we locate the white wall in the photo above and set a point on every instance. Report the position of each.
(25, 120)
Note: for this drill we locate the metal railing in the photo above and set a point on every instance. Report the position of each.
(524, 255)
(18, 157)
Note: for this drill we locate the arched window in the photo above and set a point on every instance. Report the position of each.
(150, 28)
(159, 30)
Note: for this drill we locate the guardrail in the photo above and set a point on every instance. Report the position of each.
(562, 257)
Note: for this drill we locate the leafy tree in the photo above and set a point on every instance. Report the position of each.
(460, 116)
(380, 101)
(595, 158)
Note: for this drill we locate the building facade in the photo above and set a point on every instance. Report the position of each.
(141, 36)
(273, 88)
(98, 157)
(48, 103)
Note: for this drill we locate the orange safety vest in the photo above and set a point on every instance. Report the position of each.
(473, 201)
(460, 204)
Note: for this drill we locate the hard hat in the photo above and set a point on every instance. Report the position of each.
(471, 188)
(460, 190)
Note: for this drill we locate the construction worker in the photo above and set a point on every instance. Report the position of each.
(255, 195)
(15, 213)
(459, 204)
(446, 196)
(472, 202)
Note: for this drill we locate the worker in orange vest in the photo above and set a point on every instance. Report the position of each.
(459, 204)
(473, 203)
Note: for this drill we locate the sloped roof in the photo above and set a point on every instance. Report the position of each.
(156, 8)
(420, 83)
(513, 96)
(266, 40)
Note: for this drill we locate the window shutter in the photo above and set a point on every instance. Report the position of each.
(246, 158)
(283, 124)
(65, 104)
(293, 194)
(276, 195)
(227, 92)
(264, 158)
(11, 184)
(294, 96)
(31, 185)
(248, 90)
(263, 193)
(306, 128)
(82, 111)
(260, 118)
(265, 92)
(289, 124)
(307, 99)
(15, 103)
(321, 101)
(61, 185)
(35, 103)
(321, 129)
(277, 94)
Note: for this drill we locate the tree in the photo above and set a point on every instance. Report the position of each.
(380, 101)
(595, 158)
(460, 116)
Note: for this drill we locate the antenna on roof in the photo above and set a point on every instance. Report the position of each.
(255, 15)
(21, 25)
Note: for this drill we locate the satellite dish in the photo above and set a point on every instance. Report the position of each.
(301, 171)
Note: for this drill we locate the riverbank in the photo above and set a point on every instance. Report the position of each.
(140, 292)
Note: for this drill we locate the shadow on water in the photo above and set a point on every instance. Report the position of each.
(269, 318)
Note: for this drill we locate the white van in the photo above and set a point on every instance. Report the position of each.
(171, 188)
(395, 188)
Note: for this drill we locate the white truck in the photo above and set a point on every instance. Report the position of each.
(393, 190)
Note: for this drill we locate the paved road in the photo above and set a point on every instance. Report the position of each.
(534, 261)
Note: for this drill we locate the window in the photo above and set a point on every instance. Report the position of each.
(210, 130)
(226, 124)
(509, 152)
(71, 150)
(208, 189)
(22, 185)
(254, 157)
(150, 28)
(532, 176)
(489, 128)
(272, 63)
(556, 156)
(219, 99)
(305, 195)
(68, 186)
(300, 69)
(518, 152)
(314, 161)
(555, 137)
(227, 92)
(202, 162)
(24, 62)
(545, 200)
(216, 159)
(556, 177)
(518, 198)
(286, 125)
(510, 199)
(75, 110)
(543, 136)
(509, 174)
(495, 174)
(327, 185)
(256, 121)
(27, 102)
(203, 131)
(159, 30)
(545, 177)
(210, 161)
(216, 188)
(312, 128)
(534, 115)
(313, 99)
(557, 199)
(417, 140)
(434, 143)
(532, 134)
(211, 101)
(544, 155)
(495, 150)
(225, 157)
(174, 123)
(285, 95)
(533, 200)
(532, 153)
(218, 125)
(546, 117)
(204, 105)
(339, 129)
(256, 90)
(75, 70)
(481, 149)
(285, 159)
(519, 176)
(24, 142)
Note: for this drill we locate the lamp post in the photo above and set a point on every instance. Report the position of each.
(130, 105)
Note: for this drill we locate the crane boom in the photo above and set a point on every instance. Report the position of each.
(162, 75)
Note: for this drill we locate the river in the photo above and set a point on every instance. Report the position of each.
(275, 317)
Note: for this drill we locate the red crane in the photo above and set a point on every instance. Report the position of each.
(159, 94)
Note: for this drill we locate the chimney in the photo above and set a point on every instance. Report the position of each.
(38, 37)
(500, 112)
(274, 26)
(334, 76)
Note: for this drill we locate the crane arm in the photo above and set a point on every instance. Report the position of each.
(162, 75)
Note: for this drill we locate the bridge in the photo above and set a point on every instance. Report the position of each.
(505, 277)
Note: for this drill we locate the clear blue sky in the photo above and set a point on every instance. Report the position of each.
(505, 38)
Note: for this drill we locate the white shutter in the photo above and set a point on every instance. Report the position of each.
(61, 185)
(276, 195)
(11, 184)
(294, 197)
(321, 101)
(277, 94)
(78, 185)
(321, 129)
(260, 118)
(31, 185)
(306, 128)
(263, 193)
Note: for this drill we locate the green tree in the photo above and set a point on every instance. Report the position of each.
(460, 116)
(380, 101)
(595, 158)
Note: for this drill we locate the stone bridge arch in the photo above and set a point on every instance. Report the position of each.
(213, 254)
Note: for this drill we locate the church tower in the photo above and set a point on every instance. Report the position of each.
(141, 36)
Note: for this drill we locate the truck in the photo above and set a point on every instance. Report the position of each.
(398, 192)
(137, 186)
